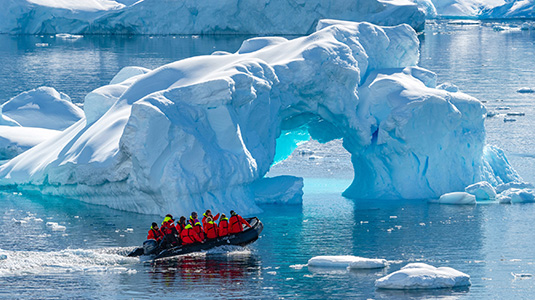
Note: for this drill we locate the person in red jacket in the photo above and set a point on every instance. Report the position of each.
(181, 224)
(210, 228)
(189, 236)
(198, 229)
(207, 214)
(154, 233)
(223, 225)
(169, 231)
(236, 223)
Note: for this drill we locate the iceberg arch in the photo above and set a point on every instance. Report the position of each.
(200, 132)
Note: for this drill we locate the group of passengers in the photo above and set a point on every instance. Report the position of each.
(192, 231)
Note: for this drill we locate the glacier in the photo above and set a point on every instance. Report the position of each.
(480, 9)
(202, 132)
(196, 17)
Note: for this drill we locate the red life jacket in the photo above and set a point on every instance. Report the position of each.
(235, 224)
(198, 230)
(180, 227)
(223, 227)
(210, 228)
(154, 235)
(189, 236)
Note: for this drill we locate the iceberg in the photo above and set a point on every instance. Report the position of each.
(196, 17)
(43, 107)
(456, 8)
(16, 139)
(482, 191)
(459, 198)
(423, 276)
(519, 9)
(346, 261)
(514, 195)
(201, 132)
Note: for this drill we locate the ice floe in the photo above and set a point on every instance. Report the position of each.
(346, 261)
(423, 276)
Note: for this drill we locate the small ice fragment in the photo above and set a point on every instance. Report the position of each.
(505, 120)
(272, 273)
(51, 224)
(422, 224)
(521, 275)
(3, 257)
(297, 267)
(526, 90)
(513, 113)
(346, 261)
(38, 220)
(58, 228)
(393, 217)
(129, 230)
(503, 108)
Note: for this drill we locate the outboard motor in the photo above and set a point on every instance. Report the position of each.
(149, 247)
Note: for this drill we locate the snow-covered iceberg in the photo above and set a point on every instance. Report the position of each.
(518, 9)
(423, 276)
(43, 107)
(198, 132)
(33, 117)
(457, 198)
(197, 17)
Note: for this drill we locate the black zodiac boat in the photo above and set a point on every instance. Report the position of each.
(247, 236)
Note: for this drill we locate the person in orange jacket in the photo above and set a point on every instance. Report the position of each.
(210, 228)
(223, 225)
(236, 223)
(189, 236)
(207, 214)
(154, 233)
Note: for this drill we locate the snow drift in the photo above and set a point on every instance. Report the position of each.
(196, 17)
(197, 133)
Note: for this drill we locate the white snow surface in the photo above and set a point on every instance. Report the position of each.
(482, 191)
(200, 131)
(423, 276)
(459, 198)
(197, 17)
(43, 107)
(346, 261)
(15, 139)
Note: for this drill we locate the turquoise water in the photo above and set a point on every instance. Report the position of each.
(489, 242)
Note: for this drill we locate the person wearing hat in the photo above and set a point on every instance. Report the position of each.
(154, 233)
(181, 224)
(207, 214)
(236, 223)
(210, 228)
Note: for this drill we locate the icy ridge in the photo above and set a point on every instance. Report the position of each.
(198, 132)
(197, 17)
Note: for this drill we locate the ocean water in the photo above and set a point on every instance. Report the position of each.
(53, 248)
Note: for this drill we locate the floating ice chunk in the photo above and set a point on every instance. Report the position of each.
(515, 195)
(503, 108)
(464, 22)
(515, 184)
(491, 114)
(482, 190)
(55, 226)
(423, 276)
(528, 26)
(70, 37)
(522, 275)
(526, 90)
(513, 113)
(43, 107)
(505, 120)
(461, 198)
(346, 261)
(278, 190)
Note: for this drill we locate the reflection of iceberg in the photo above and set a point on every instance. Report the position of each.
(198, 132)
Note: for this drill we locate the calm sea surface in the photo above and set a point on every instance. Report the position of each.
(490, 242)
